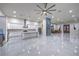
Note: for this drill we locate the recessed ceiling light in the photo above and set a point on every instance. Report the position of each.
(14, 12)
(73, 15)
(70, 11)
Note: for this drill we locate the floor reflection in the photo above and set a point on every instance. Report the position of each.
(66, 36)
(62, 44)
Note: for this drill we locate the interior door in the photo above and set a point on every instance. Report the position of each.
(66, 28)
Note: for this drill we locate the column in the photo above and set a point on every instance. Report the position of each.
(46, 29)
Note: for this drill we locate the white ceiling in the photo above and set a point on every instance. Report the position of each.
(25, 10)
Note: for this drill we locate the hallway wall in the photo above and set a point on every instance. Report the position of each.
(2, 24)
(76, 25)
(71, 27)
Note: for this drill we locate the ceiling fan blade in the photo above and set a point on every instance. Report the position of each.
(49, 13)
(51, 6)
(45, 5)
(53, 10)
(39, 7)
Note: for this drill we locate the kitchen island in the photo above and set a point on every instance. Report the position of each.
(23, 33)
(27, 35)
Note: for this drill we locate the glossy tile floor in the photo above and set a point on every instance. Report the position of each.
(54, 45)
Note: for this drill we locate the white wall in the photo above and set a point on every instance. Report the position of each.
(32, 25)
(14, 23)
(56, 27)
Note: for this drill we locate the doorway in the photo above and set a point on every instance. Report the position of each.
(66, 28)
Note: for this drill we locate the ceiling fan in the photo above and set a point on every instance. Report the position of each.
(45, 10)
